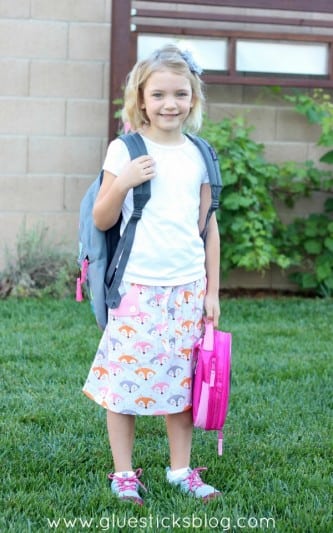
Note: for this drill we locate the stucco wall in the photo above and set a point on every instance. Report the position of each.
(54, 64)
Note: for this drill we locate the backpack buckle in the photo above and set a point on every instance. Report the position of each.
(113, 300)
(137, 213)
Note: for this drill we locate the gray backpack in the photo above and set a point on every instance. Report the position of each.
(103, 255)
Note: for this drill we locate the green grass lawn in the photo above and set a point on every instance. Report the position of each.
(275, 470)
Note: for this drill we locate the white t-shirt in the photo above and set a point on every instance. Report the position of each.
(167, 248)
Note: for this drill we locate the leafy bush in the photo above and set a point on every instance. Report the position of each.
(248, 218)
(252, 234)
(312, 238)
(37, 267)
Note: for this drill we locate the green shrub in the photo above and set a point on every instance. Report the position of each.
(252, 233)
(312, 237)
(248, 218)
(310, 241)
(37, 267)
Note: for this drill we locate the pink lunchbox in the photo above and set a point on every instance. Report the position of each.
(211, 380)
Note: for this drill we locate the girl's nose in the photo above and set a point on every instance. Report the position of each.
(170, 103)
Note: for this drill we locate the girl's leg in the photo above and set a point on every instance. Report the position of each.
(179, 430)
(121, 430)
(124, 481)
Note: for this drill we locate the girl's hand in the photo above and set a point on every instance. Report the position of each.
(138, 171)
(112, 193)
(212, 308)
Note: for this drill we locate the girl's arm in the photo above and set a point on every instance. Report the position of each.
(212, 301)
(114, 189)
(212, 249)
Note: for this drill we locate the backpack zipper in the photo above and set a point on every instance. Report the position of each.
(221, 396)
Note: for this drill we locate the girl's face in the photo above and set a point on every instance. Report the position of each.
(167, 101)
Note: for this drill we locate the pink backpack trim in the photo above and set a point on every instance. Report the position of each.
(211, 380)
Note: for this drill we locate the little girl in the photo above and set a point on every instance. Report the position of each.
(143, 365)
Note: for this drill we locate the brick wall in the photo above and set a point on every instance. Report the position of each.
(53, 115)
(53, 110)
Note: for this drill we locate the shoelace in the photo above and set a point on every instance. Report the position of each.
(128, 483)
(194, 478)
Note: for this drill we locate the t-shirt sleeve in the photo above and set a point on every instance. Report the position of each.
(202, 168)
(205, 178)
(203, 171)
(117, 157)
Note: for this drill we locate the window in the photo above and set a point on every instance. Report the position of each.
(210, 54)
(282, 58)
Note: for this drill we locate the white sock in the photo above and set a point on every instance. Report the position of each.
(172, 475)
(125, 473)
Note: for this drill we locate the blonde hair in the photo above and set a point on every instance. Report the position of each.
(172, 58)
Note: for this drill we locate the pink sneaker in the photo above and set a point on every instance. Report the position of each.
(191, 483)
(127, 487)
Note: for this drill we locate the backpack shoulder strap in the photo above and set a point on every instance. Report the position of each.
(135, 144)
(213, 169)
(141, 195)
(136, 147)
(210, 158)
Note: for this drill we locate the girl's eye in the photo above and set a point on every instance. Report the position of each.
(157, 95)
(182, 94)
